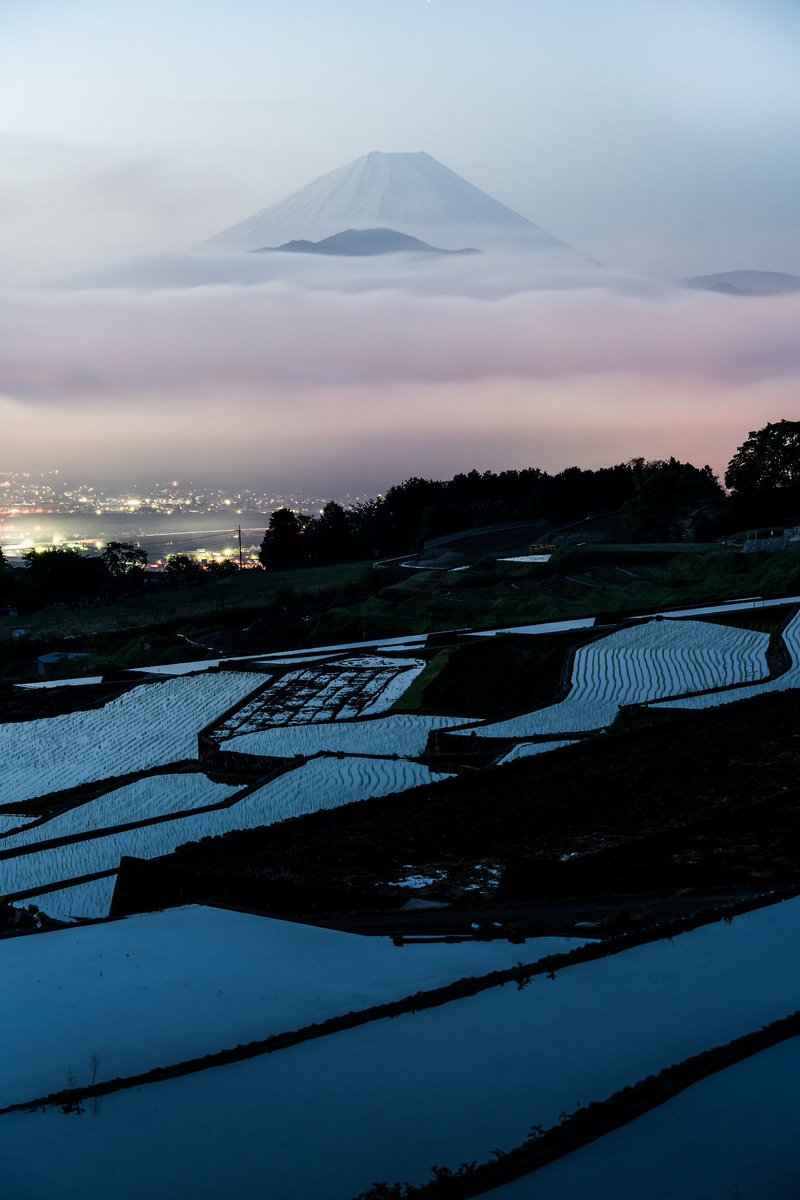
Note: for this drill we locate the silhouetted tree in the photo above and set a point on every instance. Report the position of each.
(332, 534)
(282, 547)
(666, 494)
(122, 558)
(768, 460)
(61, 574)
(764, 477)
(8, 580)
(222, 570)
(182, 570)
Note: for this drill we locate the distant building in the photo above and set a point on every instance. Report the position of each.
(786, 538)
(46, 661)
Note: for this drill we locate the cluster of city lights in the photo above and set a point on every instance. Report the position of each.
(26, 495)
(26, 492)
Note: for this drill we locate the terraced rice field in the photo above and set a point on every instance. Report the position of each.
(186, 668)
(790, 679)
(455, 1082)
(155, 796)
(458, 1080)
(642, 662)
(119, 990)
(83, 900)
(149, 726)
(295, 660)
(8, 823)
(737, 1133)
(82, 681)
(320, 784)
(402, 734)
(350, 687)
(531, 749)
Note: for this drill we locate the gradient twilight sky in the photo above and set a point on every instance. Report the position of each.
(661, 138)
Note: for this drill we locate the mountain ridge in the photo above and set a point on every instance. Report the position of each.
(745, 282)
(362, 243)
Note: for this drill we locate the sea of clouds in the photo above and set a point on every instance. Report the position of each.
(357, 368)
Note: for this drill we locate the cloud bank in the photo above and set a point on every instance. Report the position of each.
(332, 371)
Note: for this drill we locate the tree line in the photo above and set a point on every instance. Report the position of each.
(661, 500)
(64, 575)
(413, 512)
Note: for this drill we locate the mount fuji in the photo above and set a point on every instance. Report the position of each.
(412, 194)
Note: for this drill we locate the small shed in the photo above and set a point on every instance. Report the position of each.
(45, 662)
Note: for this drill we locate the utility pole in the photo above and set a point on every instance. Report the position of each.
(239, 532)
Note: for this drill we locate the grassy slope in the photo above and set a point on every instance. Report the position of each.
(413, 699)
(494, 594)
(495, 677)
(209, 602)
(576, 583)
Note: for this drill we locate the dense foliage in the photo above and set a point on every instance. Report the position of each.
(768, 461)
(124, 559)
(764, 477)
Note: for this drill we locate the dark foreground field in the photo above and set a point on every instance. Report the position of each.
(699, 801)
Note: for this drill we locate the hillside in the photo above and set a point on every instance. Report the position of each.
(362, 242)
(746, 283)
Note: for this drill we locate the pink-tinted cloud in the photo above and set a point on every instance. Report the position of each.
(331, 378)
(106, 346)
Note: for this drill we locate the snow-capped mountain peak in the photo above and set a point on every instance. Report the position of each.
(411, 193)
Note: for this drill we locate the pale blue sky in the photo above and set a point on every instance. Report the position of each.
(659, 136)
